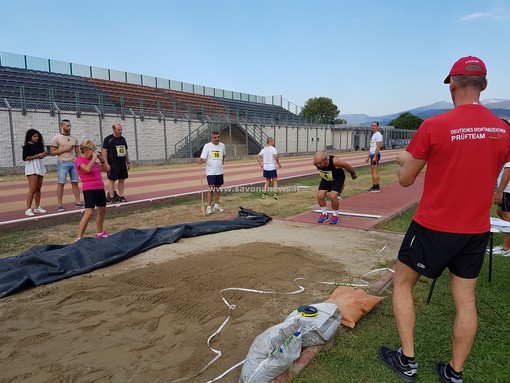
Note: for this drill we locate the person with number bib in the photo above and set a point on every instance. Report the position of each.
(331, 170)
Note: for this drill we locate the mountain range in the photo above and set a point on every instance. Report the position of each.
(500, 107)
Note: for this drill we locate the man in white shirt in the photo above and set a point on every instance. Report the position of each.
(213, 155)
(374, 156)
(268, 160)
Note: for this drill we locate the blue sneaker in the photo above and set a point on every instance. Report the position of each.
(391, 358)
(334, 219)
(323, 218)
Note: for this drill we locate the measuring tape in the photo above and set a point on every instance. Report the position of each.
(307, 311)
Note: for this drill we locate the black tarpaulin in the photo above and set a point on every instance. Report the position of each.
(45, 264)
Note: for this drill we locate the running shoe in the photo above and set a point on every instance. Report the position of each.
(440, 369)
(208, 211)
(264, 196)
(334, 220)
(218, 209)
(323, 218)
(392, 358)
(104, 234)
(60, 208)
(29, 213)
(275, 196)
(39, 210)
(122, 199)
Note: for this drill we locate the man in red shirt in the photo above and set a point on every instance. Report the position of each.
(450, 228)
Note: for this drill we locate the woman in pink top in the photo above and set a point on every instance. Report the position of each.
(94, 195)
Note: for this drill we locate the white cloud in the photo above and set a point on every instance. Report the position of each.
(495, 14)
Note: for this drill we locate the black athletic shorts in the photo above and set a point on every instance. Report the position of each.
(505, 204)
(429, 252)
(118, 171)
(93, 198)
(335, 185)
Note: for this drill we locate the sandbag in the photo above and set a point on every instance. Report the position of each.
(320, 328)
(272, 352)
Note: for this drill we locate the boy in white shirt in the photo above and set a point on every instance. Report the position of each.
(268, 160)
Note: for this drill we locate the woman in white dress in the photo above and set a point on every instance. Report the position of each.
(33, 154)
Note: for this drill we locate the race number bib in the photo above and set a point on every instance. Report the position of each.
(326, 175)
(121, 151)
(216, 155)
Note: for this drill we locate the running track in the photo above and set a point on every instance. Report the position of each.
(146, 185)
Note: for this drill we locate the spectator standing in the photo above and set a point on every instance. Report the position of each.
(374, 156)
(33, 154)
(94, 195)
(441, 235)
(331, 170)
(65, 146)
(502, 199)
(115, 153)
(213, 155)
(268, 160)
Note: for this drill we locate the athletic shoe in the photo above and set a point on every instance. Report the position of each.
(275, 196)
(407, 372)
(79, 204)
(29, 213)
(264, 196)
(122, 199)
(376, 189)
(60, 208)
(370, 190)
(116, 197)
(499, 250)
(104, 234)
(440, 369)
(39, 210)
(334, 219)
(323, 218)
(218, 209)
(208, 211)
(108, 198)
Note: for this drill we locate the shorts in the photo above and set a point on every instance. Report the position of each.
(336, 185)
(94, 197)
(505, 204)
(215, 180)
(375, 161)
(269, 174)
(429, 252)
(64, 168)
(118, 171)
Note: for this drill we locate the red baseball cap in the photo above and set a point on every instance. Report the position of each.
(463, 66)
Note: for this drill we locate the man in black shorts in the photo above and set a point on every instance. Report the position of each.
(115, 153)
(331, 170)
(441, 235)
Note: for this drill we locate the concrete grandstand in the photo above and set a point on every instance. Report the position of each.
(163, 120)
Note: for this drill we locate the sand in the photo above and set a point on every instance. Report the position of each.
(148, 318)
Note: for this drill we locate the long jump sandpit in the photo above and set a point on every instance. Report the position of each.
(148, 319)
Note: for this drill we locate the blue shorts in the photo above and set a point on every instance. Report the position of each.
(215, 180)
(375, 161)
(65, 167)
(269, 174)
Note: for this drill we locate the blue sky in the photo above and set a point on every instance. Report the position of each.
(374, 57)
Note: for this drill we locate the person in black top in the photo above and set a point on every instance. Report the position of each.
(33, 153)
(115, 153)
(332, 174)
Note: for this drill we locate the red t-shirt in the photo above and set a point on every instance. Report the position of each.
(91, 180)
(465, 149)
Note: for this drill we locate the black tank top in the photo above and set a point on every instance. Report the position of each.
(330, 173)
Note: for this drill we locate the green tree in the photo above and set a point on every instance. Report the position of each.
(321, 110)
(406, 120)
